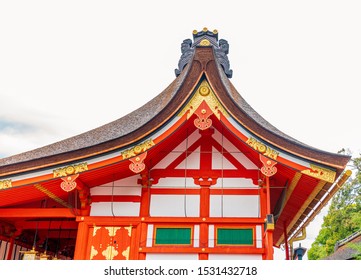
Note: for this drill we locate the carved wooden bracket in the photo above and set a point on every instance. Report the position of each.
(203, 113)
(137, 164)
(205, 181)
(69, 183)
(268, 169)
(84, 195)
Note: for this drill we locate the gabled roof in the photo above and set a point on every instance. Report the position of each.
(143, 121)
(308, 174)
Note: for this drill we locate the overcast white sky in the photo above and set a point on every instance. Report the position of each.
(69, 66)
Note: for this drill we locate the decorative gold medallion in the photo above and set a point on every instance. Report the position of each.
(205, 43)
(5, 184)
(137, 164)
(268, 169)
(69, 183)
(262, 148)
(138, 149)
(70, 170)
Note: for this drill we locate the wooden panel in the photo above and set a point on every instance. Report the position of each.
(109, 243)
(234, 236)
(173, 236)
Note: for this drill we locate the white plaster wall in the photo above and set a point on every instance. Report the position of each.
(235, 183)
(259, 236)
(196, 236)
(234, 257)
(211, 237)
(151, 256)
(192, 161)
(150, 231)
(174, 206)
(176, 183)
(219, 161)
(126, 186)
(229, 147)
(120, 209)
(169, 158)
(234, 206)
(136, 190)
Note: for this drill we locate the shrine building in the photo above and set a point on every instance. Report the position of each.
(194, 174)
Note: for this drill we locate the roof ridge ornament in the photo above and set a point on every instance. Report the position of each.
(205, 38)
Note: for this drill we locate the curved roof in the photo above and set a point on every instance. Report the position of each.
(204, 60)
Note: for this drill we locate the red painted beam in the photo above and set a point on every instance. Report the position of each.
(36, 213)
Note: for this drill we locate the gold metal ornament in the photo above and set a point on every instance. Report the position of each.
(262, 148)
(204, 93)
(5, 184)
(320, 173)
(132, 152)
(70, 170)
(205, 43)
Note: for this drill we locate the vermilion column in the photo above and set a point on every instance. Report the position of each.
(204, 214)
(81, 241)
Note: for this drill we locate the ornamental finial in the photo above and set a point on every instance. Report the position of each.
(205, 38)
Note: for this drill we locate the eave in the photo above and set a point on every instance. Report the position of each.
(37, 166)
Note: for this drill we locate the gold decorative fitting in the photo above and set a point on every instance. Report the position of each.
(268, 169)
(205, 43)
(137, 164)
(210, 98)
(5, 184)
(320, 173)
(203, 121)
(262, 148)
(112, 231)
(195, 31)
(93, 252)
(70, 170)
(138, 149)
(205, 29)
(69, 183)
(204, 90)
(110, 252)
(125, 253)
(215, 31)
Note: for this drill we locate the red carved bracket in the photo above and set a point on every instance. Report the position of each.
(69, 183)
(137, 164)
(203, 113)
(268, 169)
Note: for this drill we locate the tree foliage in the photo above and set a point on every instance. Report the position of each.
(343, 217)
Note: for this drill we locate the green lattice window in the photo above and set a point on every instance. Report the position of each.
(234, 236)
(173, 236)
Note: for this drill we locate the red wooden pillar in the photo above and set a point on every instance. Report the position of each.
(205, 183)
(143, 226)
(268, 169)
(204, 214)
(81, 241)
(287, 250)
(269, 227)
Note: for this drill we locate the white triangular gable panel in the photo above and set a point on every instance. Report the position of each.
(219, 161)
(192, 161)
(169, 158)
(235, 152)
